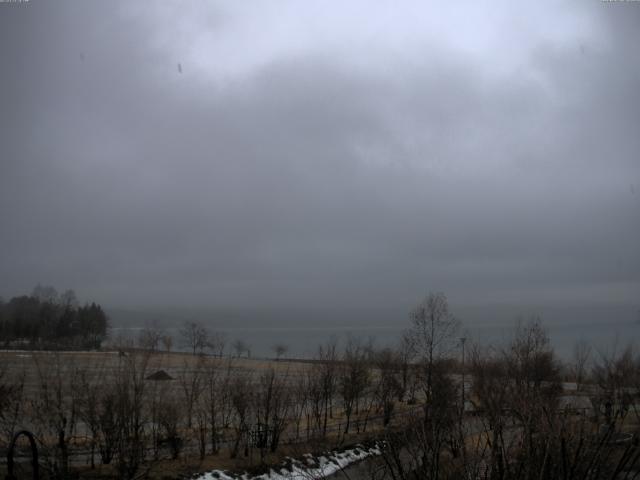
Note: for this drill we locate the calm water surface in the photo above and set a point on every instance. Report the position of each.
(303, 341)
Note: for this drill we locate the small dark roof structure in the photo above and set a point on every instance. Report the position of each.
(160, 375)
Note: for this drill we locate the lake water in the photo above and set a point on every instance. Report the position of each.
(604, 329)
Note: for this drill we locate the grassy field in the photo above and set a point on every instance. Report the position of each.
(73, 372)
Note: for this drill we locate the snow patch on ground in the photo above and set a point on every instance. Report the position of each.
(309, 468)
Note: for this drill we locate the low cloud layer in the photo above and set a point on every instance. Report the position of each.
(221, 154)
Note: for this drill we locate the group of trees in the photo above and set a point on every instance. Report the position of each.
(70, 406)
(115, 409)
(193, 337)
(519, 424)
(46, 319)
(508, 421)
(125, 418)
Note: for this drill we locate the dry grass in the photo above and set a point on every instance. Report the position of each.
(103, 365)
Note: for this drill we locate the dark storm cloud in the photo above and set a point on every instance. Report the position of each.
(304, 168)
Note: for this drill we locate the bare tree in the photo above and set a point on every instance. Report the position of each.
(240, 347)
(579, 366)
(532, 364)
(416, 450)
(534, 379)
(354, 377)
(616, 375)
(191, 384)
(406, 353)
(55, 406)
(279, 349)
(215, 390)
(194, 336)
(155, 393)
(315, 395)
(326, 366)
(217, 342)
(12, 402)
(434, 332)
(527, 435)
(202, 427)
(240, 390)
(108, 424)
(388, 386)
(271, 409)
(92, 385)
(130, 420)
(300, 402)
(515, 391)
(169, 419)
(490, 391)
(149, 338)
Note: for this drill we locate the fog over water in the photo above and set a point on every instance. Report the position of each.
(326, 161)
(606, 329)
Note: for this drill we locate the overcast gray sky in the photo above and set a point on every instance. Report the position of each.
(321, 153)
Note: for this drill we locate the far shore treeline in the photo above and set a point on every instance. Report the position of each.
(48, 320)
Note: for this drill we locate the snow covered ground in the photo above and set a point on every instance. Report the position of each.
(307, 469)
